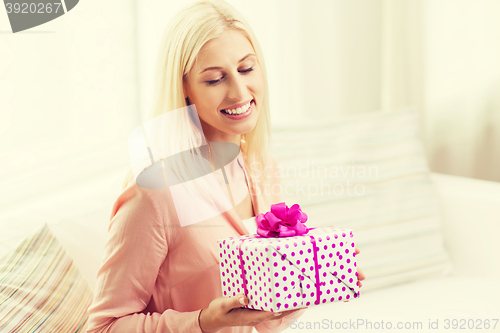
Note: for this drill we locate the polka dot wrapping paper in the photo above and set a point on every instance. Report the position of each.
(285, 273)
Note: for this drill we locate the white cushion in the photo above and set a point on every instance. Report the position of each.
(375, 180)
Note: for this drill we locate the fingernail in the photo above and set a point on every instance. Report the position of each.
(277, 313)
(242, 301)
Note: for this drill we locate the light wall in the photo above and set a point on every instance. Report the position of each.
(462, 87)
(68, 99)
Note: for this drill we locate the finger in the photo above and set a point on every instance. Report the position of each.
(289, 312)
(236, 301)
(257, 316)
(356, 249)
(270, 315)
(246, 317)
(361, 274)
(286, 313)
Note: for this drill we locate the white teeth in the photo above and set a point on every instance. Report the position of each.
(239, 110)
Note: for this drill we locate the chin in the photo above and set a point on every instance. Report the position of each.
(241, 131)
(246, 128)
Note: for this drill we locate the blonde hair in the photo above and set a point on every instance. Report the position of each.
(182, 40)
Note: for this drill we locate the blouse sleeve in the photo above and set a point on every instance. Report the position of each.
(134, 252)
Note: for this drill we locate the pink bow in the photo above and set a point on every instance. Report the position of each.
(282, 221)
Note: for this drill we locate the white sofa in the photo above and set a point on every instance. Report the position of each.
(471, 217)
(79, 218)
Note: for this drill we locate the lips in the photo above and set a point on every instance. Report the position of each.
(236, 106)
(240, 116)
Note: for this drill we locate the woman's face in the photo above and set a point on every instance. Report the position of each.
(226, 76)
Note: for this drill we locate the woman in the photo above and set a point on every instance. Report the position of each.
(159, 275)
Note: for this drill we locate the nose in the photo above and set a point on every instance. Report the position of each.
(237, 88)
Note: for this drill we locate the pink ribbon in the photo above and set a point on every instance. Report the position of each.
(242, 266)
(282, 221)
(316, 268)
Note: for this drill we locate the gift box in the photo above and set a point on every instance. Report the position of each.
(279, 272)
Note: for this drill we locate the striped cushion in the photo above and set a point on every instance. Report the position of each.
(41, 289)
(375, 180)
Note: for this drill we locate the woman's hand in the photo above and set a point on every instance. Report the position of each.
(361, 275)
(227, 311)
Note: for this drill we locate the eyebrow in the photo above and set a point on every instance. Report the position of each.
(210, 68)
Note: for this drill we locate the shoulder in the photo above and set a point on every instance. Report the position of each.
(137, 210)
(133, 197)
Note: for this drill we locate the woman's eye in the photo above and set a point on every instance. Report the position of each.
(213, 81)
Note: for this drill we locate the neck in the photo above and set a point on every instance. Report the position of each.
(213, 135)
(236, 139)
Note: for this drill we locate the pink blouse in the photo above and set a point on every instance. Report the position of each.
(157, 275)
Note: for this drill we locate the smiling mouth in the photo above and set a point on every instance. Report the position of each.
(239, 110)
